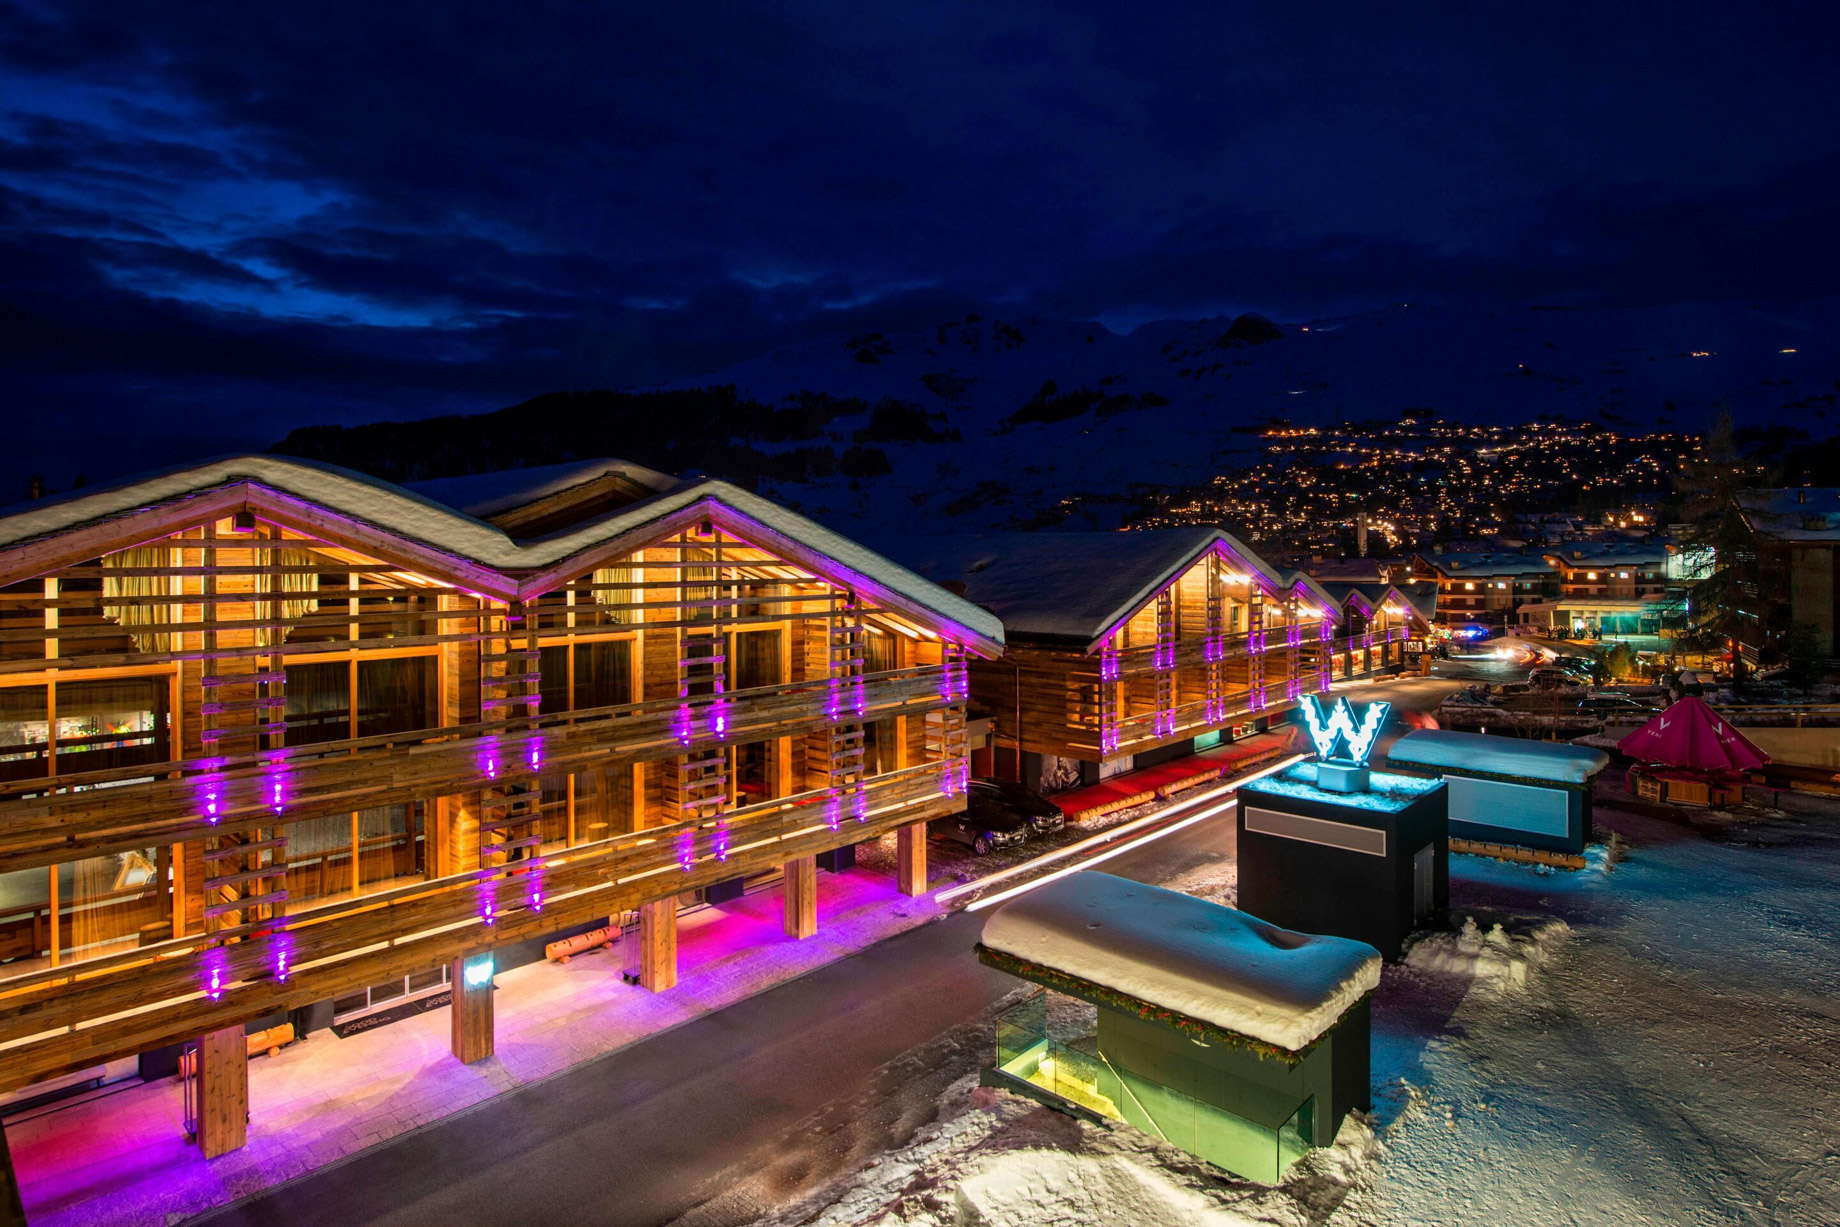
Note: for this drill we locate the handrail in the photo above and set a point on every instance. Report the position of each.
(597, 858)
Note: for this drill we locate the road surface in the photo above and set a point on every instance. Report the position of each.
(700, 1120)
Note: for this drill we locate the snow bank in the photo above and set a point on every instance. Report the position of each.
(1497, 958)
(1196, 958)
(1053, 1188)
(1478, 753)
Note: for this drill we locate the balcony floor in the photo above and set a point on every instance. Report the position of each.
(121, 1158)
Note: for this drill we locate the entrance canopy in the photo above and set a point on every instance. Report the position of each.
(1692, 735)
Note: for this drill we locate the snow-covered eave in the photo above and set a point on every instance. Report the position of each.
(404, 528)
(1226, 545)
(1302, 583)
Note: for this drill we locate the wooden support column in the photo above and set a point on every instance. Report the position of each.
(910, 858)
(658, 945)
(802, 897)
(223, 1092)
(471, 1023)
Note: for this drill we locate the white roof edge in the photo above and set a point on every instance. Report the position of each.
(404, 513)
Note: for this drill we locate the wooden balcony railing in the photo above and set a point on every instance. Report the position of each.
(43, 821)
(69, 1017)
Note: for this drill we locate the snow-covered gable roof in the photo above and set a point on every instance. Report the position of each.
(1477, 565)
(1370, 597)
(1799, 513)
(1501, 757)
(1611, 554)
(487, 494)
(1076, 586)
(1304, 583)
(1199, 959)
(483, 555)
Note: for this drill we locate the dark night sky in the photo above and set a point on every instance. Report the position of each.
(216, 225)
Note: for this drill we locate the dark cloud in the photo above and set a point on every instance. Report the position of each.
(219, 223)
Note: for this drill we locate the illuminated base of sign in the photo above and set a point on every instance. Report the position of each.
(1341, 777)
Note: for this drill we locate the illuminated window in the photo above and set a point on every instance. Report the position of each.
(1622, 575)
(1590, 575)
(1469, 587)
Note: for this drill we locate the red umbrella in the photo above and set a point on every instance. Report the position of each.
(1690, 734)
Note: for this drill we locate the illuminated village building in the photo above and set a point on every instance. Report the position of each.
(1800, 527)
(1486, 589)
(1610, 587)
(1128, 649)
(279, 742)
(1381, 626)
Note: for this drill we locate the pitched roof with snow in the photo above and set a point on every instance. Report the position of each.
(1459, 566)
(1075, 586)
(1611, 553)
(487, 494)
(1202, 960)
(1805, 513)
(488, 557)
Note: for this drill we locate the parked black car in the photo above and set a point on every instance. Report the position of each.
(1044, 816)
(1000, 814)
(984, 831)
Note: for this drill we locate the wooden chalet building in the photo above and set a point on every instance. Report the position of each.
(278, 740)
(1377, 625)
(1125, 648)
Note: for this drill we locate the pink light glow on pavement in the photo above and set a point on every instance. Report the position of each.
(122, 1159)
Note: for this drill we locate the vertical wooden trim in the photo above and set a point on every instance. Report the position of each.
(471, 1022)
(910, 858)
(658, 945)
(223, 1092)
(802, 897)
(56, 921)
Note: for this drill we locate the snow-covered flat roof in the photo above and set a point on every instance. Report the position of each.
(1183, 954)
(1509, 757)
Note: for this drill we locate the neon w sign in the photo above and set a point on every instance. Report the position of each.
(1339, 726)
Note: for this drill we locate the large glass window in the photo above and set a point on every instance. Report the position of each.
(25, 732)
(395, 695)
(121, 722)
(602, 676)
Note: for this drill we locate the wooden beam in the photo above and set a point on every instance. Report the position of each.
(223, 1092)
(802, 897)
(471, 1022)
(910, 858)
(658, 945)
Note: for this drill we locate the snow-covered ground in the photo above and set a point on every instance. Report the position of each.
(1650, 1040)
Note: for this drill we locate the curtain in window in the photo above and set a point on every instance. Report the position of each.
(757, 659)
(292, 579)
(108, 899)
(121, 594)
(880, 656)
(395, 696)
(624, 573)
(318, 703)
(603, 674)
